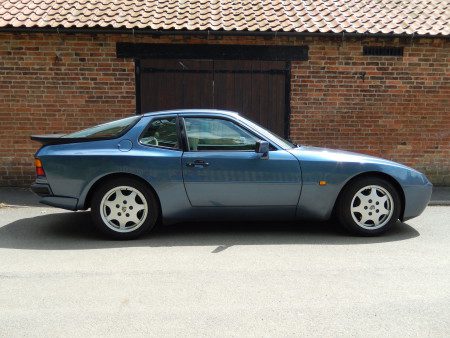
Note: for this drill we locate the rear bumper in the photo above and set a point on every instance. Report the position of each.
(416, 199)
(43, 190)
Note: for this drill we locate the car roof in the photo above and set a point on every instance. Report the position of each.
(193, 111)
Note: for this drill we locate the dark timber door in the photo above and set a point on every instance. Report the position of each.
(256, 89)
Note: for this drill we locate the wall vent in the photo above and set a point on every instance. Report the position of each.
(382, 51)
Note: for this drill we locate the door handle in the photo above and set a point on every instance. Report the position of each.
(197, 164)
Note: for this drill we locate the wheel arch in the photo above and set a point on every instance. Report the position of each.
(378, 174)
(111, 176)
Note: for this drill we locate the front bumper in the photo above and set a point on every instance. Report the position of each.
(416, 199)
(44, 191)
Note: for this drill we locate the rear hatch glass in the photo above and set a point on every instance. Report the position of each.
(107, 130)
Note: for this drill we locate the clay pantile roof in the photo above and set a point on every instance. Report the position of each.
(421, 17)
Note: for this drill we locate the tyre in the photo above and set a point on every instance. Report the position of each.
(369, 206)
(124, 208)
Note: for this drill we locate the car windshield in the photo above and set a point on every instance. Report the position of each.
(106, 130)
(285, 144)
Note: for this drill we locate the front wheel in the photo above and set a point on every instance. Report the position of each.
(124, 208)
(369, 206)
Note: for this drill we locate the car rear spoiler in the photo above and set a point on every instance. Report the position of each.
(50, 139)
(56, 139)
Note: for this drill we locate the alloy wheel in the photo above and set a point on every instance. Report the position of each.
(123, 209)
(372, 207)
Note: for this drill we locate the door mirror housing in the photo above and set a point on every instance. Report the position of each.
(262, 147)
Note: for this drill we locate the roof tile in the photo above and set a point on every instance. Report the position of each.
(425, 17)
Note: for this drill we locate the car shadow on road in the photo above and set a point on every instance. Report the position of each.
(74, 231)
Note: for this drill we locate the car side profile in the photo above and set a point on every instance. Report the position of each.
(185, 165)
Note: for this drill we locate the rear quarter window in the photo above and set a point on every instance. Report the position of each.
(161, 133)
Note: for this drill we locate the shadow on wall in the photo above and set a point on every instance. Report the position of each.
(73, 231)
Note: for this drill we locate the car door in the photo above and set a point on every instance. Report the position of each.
(221, 168)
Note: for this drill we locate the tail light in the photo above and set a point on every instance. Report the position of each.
(39, 169)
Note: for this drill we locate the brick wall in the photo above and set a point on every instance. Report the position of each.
(51, 83)
(394, 107)
(399, 110)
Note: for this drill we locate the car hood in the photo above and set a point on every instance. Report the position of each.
(305, 153)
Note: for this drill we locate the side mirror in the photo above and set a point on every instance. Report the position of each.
(262, 147)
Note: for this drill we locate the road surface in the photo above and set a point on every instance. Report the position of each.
(58, 277)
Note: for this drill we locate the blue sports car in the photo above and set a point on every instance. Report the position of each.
(216, 165)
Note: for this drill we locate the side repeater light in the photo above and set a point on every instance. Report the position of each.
(39, 169)
(322, 182)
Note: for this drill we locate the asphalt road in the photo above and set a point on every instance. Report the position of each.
(58, 277)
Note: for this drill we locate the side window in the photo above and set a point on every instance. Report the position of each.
(161, 133)
(217, 134)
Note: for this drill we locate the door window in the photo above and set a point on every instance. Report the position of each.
(205, 134)
(161, 133)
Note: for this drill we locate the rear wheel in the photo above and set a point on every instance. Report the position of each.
(124, 208)
(369, 206)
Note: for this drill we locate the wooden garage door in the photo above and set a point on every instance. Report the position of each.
(256, 89)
